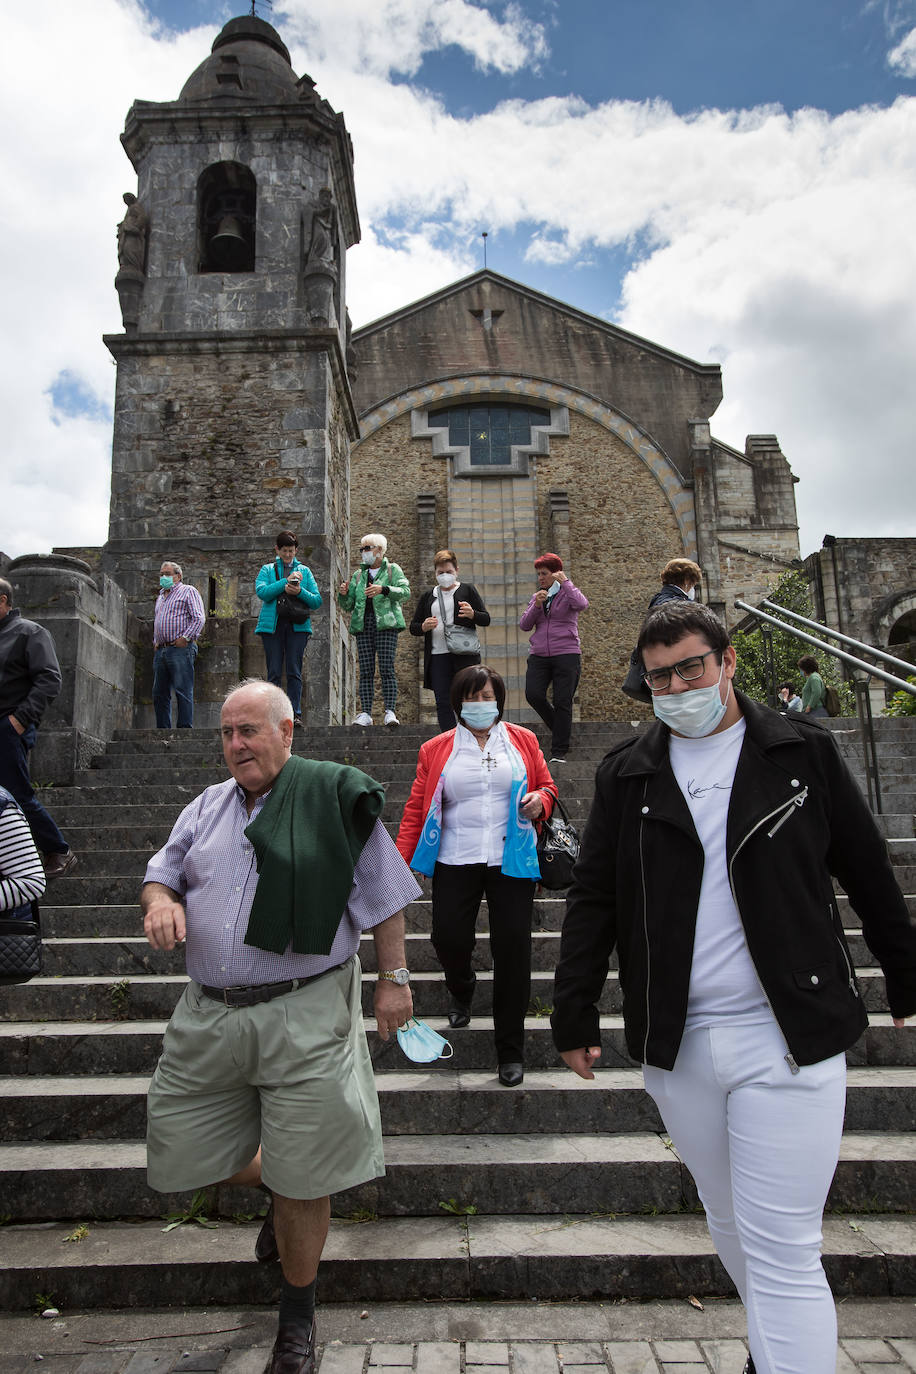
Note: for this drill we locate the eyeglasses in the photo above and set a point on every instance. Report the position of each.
(367, 548)
(688, 670)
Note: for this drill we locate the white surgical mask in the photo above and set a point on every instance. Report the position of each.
(479, 715)
(553, 589)
(692, 594)
(695, 713)
(422, 1044)
(368, 556)
(446, 579)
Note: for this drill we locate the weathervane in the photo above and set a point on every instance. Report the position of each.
(483, 235)
(255, 3)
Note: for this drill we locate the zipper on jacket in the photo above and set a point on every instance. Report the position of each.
(645, 928)
(786, 808)
(850, 972)
(796, 801)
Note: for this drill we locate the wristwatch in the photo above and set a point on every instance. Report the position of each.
(401, 976)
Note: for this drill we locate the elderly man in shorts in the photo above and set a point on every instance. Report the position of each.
(270, 878)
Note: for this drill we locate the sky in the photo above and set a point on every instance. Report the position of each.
(732, 179)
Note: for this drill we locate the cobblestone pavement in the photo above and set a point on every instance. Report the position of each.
(641, 1339)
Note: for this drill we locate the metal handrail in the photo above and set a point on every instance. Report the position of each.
(908, 668)
(863, 700)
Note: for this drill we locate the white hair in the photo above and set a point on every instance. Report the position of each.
(172, 564)
(378, 541)
(279, 707)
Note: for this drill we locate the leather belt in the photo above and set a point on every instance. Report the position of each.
(261, 992)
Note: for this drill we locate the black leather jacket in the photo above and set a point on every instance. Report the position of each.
(796, 817)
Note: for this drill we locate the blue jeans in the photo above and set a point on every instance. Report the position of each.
(14, 776)
(173, 671)
(285, 648)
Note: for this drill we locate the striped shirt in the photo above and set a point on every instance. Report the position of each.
(22, 877)
(209, 861)
(179, 614)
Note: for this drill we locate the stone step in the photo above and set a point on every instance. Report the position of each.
(86, 1047)
(117, 957)
(150, 995)
(549, 1101)
(445, 1258)
(497, 1175)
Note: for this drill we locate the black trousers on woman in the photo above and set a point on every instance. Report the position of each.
(458, 890)
(442, 668)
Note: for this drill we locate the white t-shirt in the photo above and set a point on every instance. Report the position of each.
(723, 980)
(475, 800)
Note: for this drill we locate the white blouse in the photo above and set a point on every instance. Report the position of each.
(475, 799)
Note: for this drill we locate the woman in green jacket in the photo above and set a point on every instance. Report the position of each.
(285, 640)
(814, 692)
(374, 595)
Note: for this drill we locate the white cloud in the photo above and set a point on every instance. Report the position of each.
(395, 35)
(903, 56)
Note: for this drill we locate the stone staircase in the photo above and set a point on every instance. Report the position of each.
(554, 1190)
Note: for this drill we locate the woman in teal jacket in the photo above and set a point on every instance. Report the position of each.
(374, 595)
(285, 640)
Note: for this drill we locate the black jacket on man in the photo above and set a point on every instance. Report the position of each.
(29, 671)
(796, 817)
(429, 605)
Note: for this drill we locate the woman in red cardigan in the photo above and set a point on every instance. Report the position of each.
(468, 825)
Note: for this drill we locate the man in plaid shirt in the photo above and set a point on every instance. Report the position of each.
(177, 624)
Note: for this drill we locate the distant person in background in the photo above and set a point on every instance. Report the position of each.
(554, 654)
(285, 640)
(814, 693)
(789, 698)
(460, 604)
(29, 680)
(178, 620)
(374, 594)
(680, 579)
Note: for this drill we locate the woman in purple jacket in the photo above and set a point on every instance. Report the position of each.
(554, 655)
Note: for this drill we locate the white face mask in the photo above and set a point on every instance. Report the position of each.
(692, 594)
(368, 557)
(446, 579)
(694, 713)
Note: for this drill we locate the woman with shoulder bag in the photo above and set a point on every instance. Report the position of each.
(447, 616)
(288, 591)
(467, 824)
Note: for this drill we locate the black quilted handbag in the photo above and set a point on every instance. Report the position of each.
(20, 946)
(558, 848)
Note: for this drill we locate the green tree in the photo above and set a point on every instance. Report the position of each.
(902, 703)
(790, 591)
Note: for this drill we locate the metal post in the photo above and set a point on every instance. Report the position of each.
(769, 665)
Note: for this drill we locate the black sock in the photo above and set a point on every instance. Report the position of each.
(297, 1304)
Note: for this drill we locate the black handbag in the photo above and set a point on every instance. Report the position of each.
(20, 946)
(290, 607)
(558, 848)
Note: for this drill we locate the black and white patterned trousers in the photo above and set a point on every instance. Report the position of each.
(372, 642)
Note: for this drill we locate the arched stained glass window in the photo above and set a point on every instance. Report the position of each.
(489, 431)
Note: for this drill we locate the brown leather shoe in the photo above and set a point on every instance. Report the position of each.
(56, 865)
(265, 1247)
(294, 1350)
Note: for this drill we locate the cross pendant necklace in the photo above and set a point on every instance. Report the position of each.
(488, 762)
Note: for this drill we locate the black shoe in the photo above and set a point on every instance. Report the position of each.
(750, 1367)
(294, 1350)
(56, 865)
(297, 720)
(265, 1247)
(510, 1075)
(459, 1016)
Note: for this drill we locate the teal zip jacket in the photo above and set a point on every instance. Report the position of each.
(268, 587)
(388, 613)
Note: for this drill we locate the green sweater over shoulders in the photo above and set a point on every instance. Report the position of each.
(307, 841)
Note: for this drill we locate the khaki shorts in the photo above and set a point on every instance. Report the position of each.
(292, 1075)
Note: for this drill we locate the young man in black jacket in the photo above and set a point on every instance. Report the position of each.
(707, 862)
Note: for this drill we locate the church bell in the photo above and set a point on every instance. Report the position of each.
(229, 250)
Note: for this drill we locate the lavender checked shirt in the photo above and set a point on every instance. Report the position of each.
(178, 614)
(210, 862)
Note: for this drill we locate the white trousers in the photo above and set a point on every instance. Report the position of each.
(762, 1144)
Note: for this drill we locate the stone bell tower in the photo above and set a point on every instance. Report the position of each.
(233, 413)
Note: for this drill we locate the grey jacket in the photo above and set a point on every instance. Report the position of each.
(29, 671)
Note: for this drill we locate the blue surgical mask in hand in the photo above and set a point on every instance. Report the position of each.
(422, 1044)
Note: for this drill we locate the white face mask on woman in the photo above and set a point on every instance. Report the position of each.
(446, 579)
(368, 557)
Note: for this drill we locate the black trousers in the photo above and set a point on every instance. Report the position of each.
(457, 893)
(564, 671)
(442, 668)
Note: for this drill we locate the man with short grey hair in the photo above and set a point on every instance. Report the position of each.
(177, 624)
(265, 1075)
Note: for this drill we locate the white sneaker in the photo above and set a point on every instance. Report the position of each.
(363, 718)
(391, 718)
